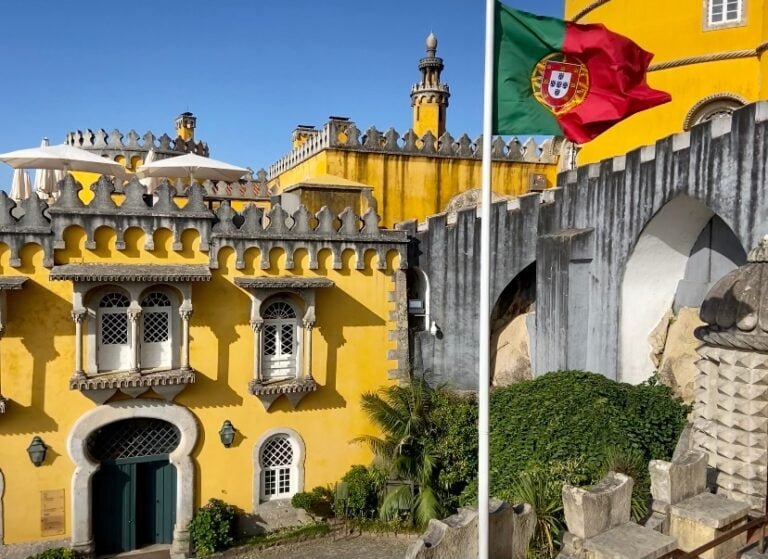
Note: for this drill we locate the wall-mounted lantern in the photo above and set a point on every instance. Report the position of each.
(36, 451)
(227, 433)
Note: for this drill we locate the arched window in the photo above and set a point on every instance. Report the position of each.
(156, 348)
(711, 108)
(278, 468)
(114, 333)
(280, 342)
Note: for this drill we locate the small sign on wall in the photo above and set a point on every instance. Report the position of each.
(52, 512)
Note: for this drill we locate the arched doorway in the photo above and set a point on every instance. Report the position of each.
(679, 254)
(510, 340)
(134, 491)
(86, 466)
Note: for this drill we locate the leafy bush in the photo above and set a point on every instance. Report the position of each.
(357, 494)
(318, 503)
(213, 527)
(574, 415)
(55, 553)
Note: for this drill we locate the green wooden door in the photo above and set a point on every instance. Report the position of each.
(114, 508)
(134, 504)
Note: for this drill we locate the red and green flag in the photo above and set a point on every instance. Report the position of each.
(562, 78)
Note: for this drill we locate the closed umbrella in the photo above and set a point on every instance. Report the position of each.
(21, 187)
(192, 166)
(150, 183)
(68, 158)
(45, 179)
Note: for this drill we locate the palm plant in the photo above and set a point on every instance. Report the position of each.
(401, 413)
(544, 494)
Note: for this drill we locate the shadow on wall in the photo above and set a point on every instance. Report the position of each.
(29, 309)
(208, 391)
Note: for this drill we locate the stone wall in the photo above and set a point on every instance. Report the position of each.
(582, 235)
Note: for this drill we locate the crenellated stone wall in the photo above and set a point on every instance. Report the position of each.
(582, 235)
(345, 135)
(128, 145)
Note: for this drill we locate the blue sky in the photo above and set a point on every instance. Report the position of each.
(250, 70)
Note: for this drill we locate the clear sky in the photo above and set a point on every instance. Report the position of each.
(249, 70)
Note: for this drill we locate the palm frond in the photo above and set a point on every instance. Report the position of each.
(397, 500)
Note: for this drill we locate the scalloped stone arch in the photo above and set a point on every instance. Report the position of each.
(85, 467)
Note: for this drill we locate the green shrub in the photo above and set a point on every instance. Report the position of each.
(318, 503)
(55, 553)
(574, 415)
(358, 492)
(213, 527)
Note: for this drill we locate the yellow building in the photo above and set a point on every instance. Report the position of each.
(709, 55)
(421, 172)
(135, 335)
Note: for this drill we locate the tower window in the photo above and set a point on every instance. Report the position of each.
(724, 12)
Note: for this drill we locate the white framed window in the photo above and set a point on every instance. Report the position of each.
(724, 12)
(280, 342)
(114, 334)
(156, 331)
(278, 466)
(278, 460)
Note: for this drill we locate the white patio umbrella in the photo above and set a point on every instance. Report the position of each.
(21, 187)
(67, 158)
(45, 179)
(192, 166)
(150, 183)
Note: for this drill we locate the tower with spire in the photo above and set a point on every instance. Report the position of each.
(429, 97)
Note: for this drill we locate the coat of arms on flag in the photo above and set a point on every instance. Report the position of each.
(560, 82)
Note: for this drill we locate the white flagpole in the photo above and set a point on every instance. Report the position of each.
(485, 294)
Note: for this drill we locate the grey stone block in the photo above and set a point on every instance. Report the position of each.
(629, 541)
(589, 512)
(714, 511)
(672, 482)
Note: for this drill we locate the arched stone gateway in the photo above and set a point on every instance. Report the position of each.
(86, 466)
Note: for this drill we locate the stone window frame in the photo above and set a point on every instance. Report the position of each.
(297, 471)
(708, 25)
(86, 313)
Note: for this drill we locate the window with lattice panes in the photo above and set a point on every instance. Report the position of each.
(277, 468)
(280, 341)
(723, 12)
(113, 332)
(156, 331)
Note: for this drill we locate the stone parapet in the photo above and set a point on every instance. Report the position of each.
(277, 229)
(599, 526)
(116, 143)
(343, 134)
(510, 532)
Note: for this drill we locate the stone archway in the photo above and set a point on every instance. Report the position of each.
(662, 274)
(85, 466)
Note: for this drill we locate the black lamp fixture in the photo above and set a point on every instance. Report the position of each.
(36, 451)
(227, 433)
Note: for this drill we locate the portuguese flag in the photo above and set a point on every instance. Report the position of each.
(562, 78)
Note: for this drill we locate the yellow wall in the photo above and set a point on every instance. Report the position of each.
(426, 117)
(671, 32)
(414, 187)
(37, 360)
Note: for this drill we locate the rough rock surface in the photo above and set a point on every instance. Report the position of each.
(512, 358)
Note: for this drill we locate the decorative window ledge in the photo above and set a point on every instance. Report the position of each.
(101, 387)
(295, 390)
